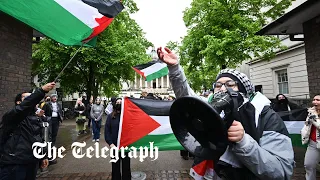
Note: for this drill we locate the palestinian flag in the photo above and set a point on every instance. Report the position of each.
(152, 70)
(144, 121)
(294, 121)
(70, 22)
(202, 169)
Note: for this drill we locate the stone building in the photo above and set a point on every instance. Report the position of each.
(160, 86)
(302, 23)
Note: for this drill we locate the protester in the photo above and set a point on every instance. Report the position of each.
(53, 111)
(88, 110)
(96, 115)
(80, 109)
(283, 104)
(256, 151)
(111, 137)
(310, 135)
(19, 129)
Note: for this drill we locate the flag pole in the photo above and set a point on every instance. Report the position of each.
(55, 80)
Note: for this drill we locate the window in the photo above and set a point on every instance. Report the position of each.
(283, 86)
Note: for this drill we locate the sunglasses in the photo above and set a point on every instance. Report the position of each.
(228, 84)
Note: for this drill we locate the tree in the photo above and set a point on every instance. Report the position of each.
(222, 33)
(102, 68)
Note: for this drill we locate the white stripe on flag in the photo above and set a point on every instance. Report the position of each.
(294, 127)
(153, 68)
(165, 127)
(82, 11)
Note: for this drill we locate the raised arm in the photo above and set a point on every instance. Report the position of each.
(176, 74)
(20, 111)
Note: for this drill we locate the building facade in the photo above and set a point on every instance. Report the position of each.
(160, 86)
(285, 74)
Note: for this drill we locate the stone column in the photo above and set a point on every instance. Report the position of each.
(162, 82)
(140, 78)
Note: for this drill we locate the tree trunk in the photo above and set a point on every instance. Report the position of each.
(96, 89)
(90, 82)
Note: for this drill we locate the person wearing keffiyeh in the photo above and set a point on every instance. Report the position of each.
(260, 147)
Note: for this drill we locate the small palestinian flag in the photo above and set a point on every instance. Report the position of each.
(152, 70)
(70, 22)
(294, 121)
(202, 169)
(144, 121)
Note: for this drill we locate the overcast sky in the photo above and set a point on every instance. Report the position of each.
(161, 20)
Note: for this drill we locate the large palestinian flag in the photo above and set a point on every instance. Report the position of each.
(144, 121)
(70, 22)
(152, 70)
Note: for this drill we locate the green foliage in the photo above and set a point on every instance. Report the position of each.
(222, 32)
(102, 68)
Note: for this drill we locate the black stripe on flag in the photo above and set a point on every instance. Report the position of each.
(153, 107)
(109, 8)
(294, 115)
(143, 66)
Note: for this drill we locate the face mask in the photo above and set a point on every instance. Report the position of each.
(118, 107)
(282, 101)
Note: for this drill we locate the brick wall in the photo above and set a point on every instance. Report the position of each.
(312, 47)
(15, 60)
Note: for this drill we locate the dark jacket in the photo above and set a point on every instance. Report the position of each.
(112, 129)
(20, 128)
(48, 110)
(264, 153)
(284, 104)
(88, 110)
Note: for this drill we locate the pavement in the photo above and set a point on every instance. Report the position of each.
(168, 166)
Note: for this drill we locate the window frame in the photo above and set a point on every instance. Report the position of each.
(276, 71)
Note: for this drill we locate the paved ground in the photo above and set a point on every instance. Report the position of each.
(169, 164)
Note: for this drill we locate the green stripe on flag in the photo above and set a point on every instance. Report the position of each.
(163, 142)
(296, 140)
(164, 71)
(37, 14)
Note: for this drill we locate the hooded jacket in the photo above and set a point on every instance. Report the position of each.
(283, 105)
(271, 156)
(20, 128)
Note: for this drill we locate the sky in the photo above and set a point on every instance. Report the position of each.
(161, 20)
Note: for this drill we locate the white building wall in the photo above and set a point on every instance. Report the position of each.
(294, 60)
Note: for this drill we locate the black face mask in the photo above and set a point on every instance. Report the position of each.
(282, 101)
(118, 107)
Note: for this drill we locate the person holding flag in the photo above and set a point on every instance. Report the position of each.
(111, 136)
(260, 147)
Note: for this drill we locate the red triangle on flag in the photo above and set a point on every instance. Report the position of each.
(135, 124)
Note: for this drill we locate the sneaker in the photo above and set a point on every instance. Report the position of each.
(97, 140)
(93, 140)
